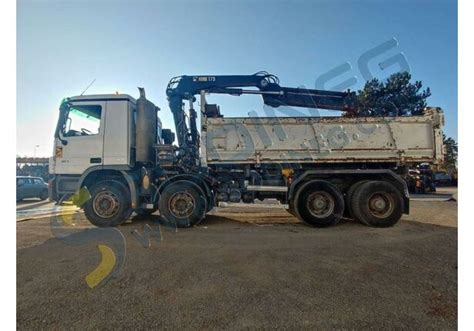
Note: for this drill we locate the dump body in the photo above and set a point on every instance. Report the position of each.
(324, 139)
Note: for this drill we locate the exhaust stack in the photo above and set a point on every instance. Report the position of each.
(146, 129)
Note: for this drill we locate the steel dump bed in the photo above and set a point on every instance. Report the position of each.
(324, 139)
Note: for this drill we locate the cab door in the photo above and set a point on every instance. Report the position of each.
(81, 140)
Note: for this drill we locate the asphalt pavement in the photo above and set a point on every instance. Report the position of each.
(242, 268)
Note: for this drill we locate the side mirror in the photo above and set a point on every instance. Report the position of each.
(61, 139)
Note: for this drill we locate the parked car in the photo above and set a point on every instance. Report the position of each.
(443, 179)
(31, 187)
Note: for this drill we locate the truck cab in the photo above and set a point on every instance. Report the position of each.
(93, 133)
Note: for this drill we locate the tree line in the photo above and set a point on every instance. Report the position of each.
(398, 96)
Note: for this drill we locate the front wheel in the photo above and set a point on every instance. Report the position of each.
(109, 204)
(182, 204)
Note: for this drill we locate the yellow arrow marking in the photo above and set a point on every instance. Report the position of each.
(104, 268)
(77, 199)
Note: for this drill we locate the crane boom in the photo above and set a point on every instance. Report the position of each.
(268, 86)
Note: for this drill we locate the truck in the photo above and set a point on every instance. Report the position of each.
(321, 168)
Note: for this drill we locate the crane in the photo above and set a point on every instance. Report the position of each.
(184, 88)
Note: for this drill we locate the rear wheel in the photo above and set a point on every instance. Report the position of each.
(348, 211)
(109, 204)
(377, 203)
(319, 204)
(182, 204)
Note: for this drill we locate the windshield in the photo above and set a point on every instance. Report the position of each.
(82, 120)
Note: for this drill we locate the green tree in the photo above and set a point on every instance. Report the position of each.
(395, 97)
(451, 156)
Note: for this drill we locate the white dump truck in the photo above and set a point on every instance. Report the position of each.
(322, 168)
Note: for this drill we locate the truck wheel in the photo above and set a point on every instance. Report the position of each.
(348, 211)
(182, 204)
(319, 203)
(377, 203)
(109, 204)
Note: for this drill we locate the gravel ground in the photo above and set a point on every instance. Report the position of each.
(243, 268)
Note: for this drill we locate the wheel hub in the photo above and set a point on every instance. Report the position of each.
(380, 205)
(181, 204)
(106, 204)
(320, 204)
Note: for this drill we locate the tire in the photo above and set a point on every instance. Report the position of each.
(44, 195)
(348, 210)
(377, 203)
(182, 204)
(109, 204)
(319, 203)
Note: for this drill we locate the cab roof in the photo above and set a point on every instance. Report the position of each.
(102, 97)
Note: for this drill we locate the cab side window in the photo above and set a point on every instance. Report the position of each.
(83, 120)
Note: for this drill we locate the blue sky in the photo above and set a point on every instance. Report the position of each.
(63, 45)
